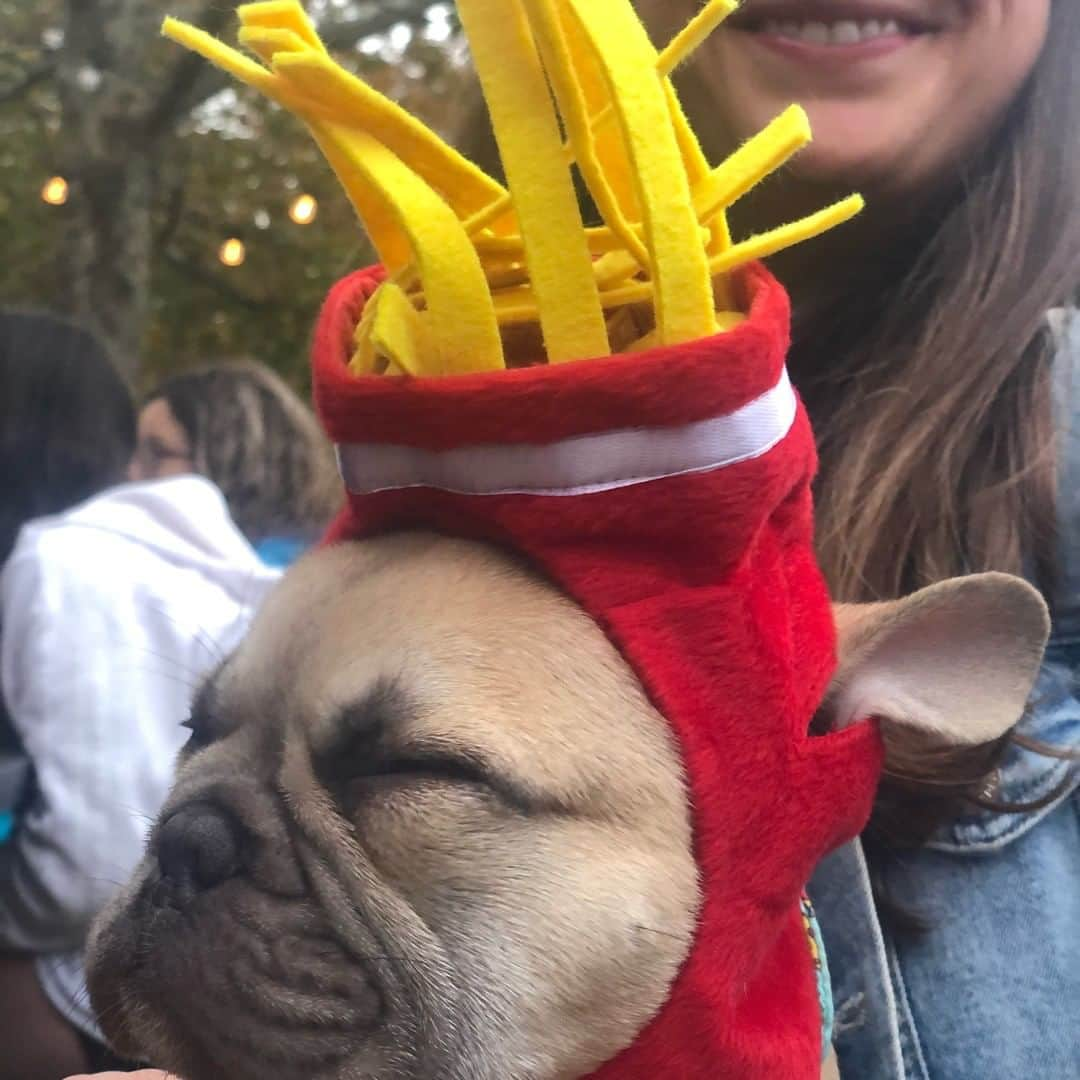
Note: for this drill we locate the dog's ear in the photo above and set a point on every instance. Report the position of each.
(954, 663)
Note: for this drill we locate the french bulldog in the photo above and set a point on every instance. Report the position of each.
(428, 824)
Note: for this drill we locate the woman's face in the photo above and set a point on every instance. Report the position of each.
(162, 447)
(897, 90)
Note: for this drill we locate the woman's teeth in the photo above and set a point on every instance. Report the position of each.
(845, 32)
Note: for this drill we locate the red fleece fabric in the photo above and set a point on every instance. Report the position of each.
(708, 586)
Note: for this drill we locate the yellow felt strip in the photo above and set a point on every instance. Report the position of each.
(282, 15)
(518, 305)
(363, 358)
(681, 46)
(752, 162)
(600, 240)
(725, 320)
(264, 41)
(351, 101)
(679, 263)
(461, 318)
(698, 171)
(615, 183)
(398, 330)
(311, 85)
(605, 180)
(381, 223)
(604, 135)
(616, 266)
(693, 34)
(227, 58)
(769, 243)
(530, 144)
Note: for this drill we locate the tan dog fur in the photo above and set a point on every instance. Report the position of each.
(395, 916)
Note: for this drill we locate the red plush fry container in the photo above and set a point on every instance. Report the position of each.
(665, 489)
(668, 493)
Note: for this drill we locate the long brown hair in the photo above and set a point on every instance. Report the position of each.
(929, 376)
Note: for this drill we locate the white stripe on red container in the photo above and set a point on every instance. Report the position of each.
(578, 465)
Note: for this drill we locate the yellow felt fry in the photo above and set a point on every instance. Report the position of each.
(265, 41)
(604, 137)
(600, 240)
(679, 264)
(725, 320)
(353, 103)
(681, 46)
(227, 58)
(752, 162)
(464, 334)
(698, 172)
(398, 331)
(527, 130)
(588, 102)
(518, 305)
(506, 277)
(316, 87)
(616, 266)
(769, 243)
(693, 34)
(382, 224)
(281, 15)
(604, 180)
(363, 358)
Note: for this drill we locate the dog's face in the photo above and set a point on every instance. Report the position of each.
(427, 826)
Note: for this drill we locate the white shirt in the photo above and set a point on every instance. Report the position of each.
(110, 616)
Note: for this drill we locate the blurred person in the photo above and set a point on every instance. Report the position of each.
(113, 606)
(56, 381)
(240, 425)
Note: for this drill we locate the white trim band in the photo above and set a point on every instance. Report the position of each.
(579, 465)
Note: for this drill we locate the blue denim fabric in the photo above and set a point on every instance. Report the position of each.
(992, 990)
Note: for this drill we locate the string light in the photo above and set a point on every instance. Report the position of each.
(232, 252)
(55, 191)
(303, 209)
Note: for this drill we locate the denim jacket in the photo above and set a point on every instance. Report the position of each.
(992, 990)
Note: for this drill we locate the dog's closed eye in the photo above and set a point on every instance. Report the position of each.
(202, 721)
(362, 770)
(199, 739)
(369, 752)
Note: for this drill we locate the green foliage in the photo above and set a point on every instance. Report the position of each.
(226, 167)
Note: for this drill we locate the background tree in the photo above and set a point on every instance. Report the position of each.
(165, 160)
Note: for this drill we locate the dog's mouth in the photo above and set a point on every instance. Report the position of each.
(257, 988)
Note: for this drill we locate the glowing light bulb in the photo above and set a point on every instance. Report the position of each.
(303, 209)
(232, 252)
(55, 191)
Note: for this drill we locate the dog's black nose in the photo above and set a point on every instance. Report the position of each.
(198, 847)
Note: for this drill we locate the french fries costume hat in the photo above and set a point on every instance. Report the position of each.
(611, 402)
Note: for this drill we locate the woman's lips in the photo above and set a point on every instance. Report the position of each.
(839, 23)
(841, 42)
(830, 33)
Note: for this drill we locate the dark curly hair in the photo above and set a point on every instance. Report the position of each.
(67, 419)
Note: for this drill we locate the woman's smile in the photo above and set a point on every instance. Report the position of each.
(896, 89)
(835, 36)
